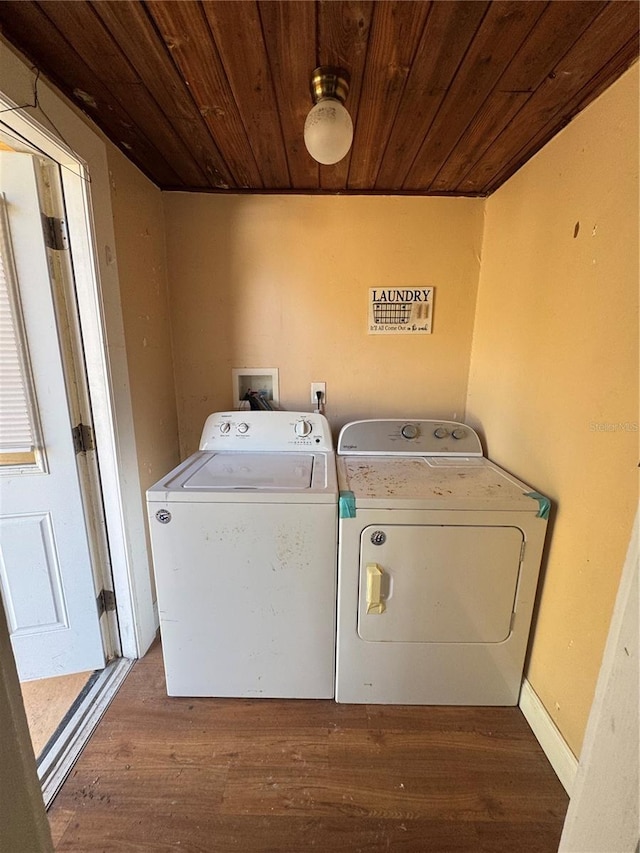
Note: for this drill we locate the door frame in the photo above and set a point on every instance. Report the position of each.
(86, 186)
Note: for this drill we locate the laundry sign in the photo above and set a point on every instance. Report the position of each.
(400, 311)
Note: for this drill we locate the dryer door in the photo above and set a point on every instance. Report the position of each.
(438, 584)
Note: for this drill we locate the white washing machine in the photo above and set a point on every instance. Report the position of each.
(244, 549)
(439, 552)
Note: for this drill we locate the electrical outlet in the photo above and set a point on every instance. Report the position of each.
(322, 387)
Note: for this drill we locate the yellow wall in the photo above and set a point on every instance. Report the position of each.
(554, 376)
(138, 221)
(274, 281)
(140, 242)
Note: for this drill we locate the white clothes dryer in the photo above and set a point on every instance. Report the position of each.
(243, 536)
(439, 552)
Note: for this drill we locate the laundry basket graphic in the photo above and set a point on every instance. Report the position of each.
(392, 312)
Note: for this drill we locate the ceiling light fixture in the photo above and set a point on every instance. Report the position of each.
(328, 129)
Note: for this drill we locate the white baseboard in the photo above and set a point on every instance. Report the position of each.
(548, 736)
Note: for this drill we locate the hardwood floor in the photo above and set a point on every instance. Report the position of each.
(271, 776)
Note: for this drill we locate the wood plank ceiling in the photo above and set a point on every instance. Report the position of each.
(446, 97)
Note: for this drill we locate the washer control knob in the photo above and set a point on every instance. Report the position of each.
(243, 428)
(458, 433)
(303, 428)
(225, 427)
(441, 432)
(409, 431)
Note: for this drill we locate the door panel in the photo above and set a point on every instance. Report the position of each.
(34, 600)
(437, 584)
(46, 575)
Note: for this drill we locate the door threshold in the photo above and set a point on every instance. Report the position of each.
(69, 739)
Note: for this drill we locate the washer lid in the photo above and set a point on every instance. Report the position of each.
(261, 471)
(260, 477)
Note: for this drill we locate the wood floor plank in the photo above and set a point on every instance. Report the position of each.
(137, 808)
(269, 834)
(236, 714)
(59, 823)
(384, 793)
(447, 718)
(433, 752)
(272, 776)
(146, 749)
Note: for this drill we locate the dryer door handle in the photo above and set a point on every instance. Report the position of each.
(375, 604)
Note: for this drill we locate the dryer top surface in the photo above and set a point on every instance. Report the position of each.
(425, 464)
(431, 482)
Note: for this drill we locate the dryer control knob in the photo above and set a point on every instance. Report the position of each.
(458, 433)
(409, 431)
(441, 432)
(225, 427)
(242, 428)
(303, 428)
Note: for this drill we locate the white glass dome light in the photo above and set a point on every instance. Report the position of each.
(328, 129)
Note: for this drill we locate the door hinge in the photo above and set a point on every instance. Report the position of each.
(55, 232)
(522, 550)
(106, 601)
(83, 438)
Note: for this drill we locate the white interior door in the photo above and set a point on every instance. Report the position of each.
(46, 576)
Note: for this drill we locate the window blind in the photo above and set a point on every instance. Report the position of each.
(16, 423)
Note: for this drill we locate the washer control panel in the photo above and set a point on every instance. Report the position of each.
(265, 431)
(391, 437)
